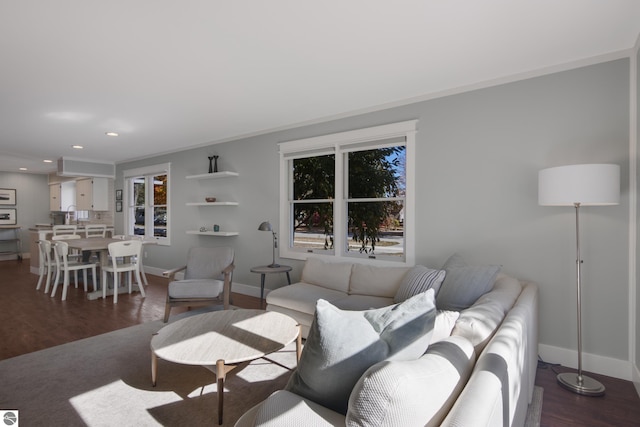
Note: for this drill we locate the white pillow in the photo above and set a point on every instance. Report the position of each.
(342, 345)
(415, 392)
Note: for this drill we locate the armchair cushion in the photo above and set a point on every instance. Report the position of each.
(196, 288)
(207, 263)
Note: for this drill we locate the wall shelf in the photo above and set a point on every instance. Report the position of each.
(212, 204)
(213, 175)
(214, 233)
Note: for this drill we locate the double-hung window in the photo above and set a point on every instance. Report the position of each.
(147, 202)
(349, 194)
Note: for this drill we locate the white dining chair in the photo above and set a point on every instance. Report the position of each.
(74, 253)
(47, 265)
(124, 257)
(95, 230)
(65, 265)
(64, 229)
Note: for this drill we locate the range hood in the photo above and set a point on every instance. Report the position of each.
(68, 166)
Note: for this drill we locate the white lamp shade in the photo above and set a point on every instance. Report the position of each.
(594, 184)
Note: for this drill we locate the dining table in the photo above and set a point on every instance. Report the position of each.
(101, 246)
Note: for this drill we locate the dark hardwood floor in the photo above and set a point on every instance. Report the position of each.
(31, 320)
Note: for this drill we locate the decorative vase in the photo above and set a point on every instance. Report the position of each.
(215, 164)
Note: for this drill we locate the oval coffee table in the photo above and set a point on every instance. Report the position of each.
(221, 339)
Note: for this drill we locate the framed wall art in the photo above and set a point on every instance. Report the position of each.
(118, 206)
(7, 196)
(7, 217)
(118, 194)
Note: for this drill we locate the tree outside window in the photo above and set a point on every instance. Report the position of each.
(350, 194)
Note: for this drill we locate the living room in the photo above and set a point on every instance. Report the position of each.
(478, 153)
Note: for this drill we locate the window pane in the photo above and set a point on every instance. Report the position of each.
(139, 205)
(376, 228)
(313, 226)
(377, 173)
(160, 221)
(160, 190)
(314, 177)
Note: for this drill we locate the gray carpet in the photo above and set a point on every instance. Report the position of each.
(106, 381)
(535, 408)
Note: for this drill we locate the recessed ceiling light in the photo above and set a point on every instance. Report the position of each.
(111, 133)
(78, 147)
(23, 169)
(48, 161)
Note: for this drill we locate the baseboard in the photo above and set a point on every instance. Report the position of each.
(13, 257)
(603, 365)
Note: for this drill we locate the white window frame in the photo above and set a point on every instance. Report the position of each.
(129, 220)
(338, 144)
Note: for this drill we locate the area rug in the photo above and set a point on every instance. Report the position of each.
(106, 381)
(534, 411)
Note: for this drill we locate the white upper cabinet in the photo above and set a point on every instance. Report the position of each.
(92, 194)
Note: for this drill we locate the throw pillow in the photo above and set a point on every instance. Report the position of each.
(417, 280)
(464, 284)
(413, 392)
(342, 345)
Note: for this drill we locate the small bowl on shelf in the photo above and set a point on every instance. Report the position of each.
(210, 199)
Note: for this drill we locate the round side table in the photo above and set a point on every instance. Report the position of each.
(263, 270)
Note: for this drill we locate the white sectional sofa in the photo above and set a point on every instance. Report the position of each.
(478, 369)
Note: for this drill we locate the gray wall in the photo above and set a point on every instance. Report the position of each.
(637, 301)
(478, 155)
(32, 200)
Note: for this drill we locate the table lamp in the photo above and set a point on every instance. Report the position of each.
(266, 226)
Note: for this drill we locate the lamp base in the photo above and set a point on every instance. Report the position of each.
(274, 265)
(587, 387)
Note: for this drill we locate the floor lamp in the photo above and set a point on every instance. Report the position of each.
(579, 185)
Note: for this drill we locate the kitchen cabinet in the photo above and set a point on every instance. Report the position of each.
(92, 194)
(62, 195)
(55, 200)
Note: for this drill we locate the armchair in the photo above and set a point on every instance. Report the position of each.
(207, 279)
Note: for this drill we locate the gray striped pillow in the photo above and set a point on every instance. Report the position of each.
(417, 280)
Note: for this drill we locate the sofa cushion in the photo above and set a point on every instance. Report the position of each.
(415, 392)
(445, 322)
(419, 279)
(285, 408)
(362, 302)
(195, 288)
(302, 296)
(330, 275)
(464, 284)
(479, 322)
(376, 281)
(342, 345)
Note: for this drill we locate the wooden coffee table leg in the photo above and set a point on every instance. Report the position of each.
(298, 343)
(220, 376)
(154, 367)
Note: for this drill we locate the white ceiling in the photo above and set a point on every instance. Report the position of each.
(168, 75)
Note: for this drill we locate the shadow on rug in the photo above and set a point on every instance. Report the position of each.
(106, 380)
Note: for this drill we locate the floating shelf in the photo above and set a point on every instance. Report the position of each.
(212, 204)
(224, 174)
(214, 233)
